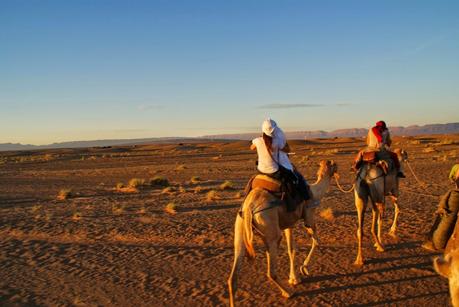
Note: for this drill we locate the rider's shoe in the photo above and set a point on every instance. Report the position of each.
(401, 175)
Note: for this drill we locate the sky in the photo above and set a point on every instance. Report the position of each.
(96, 69)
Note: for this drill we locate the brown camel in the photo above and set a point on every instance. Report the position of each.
(371, 184)
(269, 220)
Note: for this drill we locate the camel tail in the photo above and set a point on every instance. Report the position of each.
(248, 232)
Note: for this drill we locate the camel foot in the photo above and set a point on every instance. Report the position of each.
(304, 270)
(379, 248)
(286, 294)
(393, 234)
(294, 281)
(358, 262)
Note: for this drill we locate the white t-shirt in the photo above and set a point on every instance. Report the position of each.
(265, 163)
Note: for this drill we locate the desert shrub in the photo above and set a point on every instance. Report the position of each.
(119, 185)
(48, 157)
(331, 151)
(195, 179)
(36, 208)
(168, 190)
(117, 208)
(327, 214)
(159, 181)
(181, 189)
(171, 208)
(64, 194)
(447, 142)
(211, 195)
(429, 150)
(198, 189)
(227, 185)
(180, 167)
(136, 182)
(76, 216)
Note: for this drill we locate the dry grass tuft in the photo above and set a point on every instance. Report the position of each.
(238, 195)
(64, 194)
(331, 151)
(171, 208)
(168, 190)
(327, 214)
(447, 142)
(136, 183)
(36, 208)
(198, 189)
(142, 210)
(195, 179)
(181, 190)
(429, 150)
(211, 196)
(159, 181)
(117, 208)
(180, 167)
(227, 185)
(76, 216)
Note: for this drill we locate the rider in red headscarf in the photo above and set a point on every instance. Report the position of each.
(378, 139)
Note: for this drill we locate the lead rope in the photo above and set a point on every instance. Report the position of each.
(336, 176)
(422, 184)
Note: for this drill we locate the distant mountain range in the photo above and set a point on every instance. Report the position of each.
(352, 132)
(292, 135)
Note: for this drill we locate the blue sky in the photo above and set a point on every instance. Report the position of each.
(83, 70)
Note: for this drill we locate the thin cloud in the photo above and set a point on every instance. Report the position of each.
(289, 105)
(146, 107)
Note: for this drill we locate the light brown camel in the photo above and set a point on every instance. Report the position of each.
(448, 266)
(371, 185)
(259, 210)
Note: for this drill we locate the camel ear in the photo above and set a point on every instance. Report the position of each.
(442, 266)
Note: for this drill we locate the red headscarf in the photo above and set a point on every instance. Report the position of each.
(378, 129)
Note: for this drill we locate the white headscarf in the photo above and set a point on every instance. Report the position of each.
(268, 126)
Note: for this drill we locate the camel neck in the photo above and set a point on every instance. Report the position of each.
(320, 187)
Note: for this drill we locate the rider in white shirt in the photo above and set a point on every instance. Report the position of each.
(272, 149)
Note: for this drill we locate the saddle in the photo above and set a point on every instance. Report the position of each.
(379, 158)
(285, 192)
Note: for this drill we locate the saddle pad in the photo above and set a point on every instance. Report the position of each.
(267, 183)
(369, 156)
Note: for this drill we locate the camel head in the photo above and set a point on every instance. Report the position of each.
(327, 168)
(401, 154)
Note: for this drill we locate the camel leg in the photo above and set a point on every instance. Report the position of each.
(360, 205)
(271, 255)
(239, 252)
(376, 223)
(293, 277)
(393, 228)
(312, 233)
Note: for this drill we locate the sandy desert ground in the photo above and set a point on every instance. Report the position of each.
(102, 246)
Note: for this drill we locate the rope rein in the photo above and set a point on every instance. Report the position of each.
(340, 187)
(422, 184)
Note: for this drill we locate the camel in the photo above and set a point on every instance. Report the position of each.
(371, 184)
(269, 220)
(448, 266)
